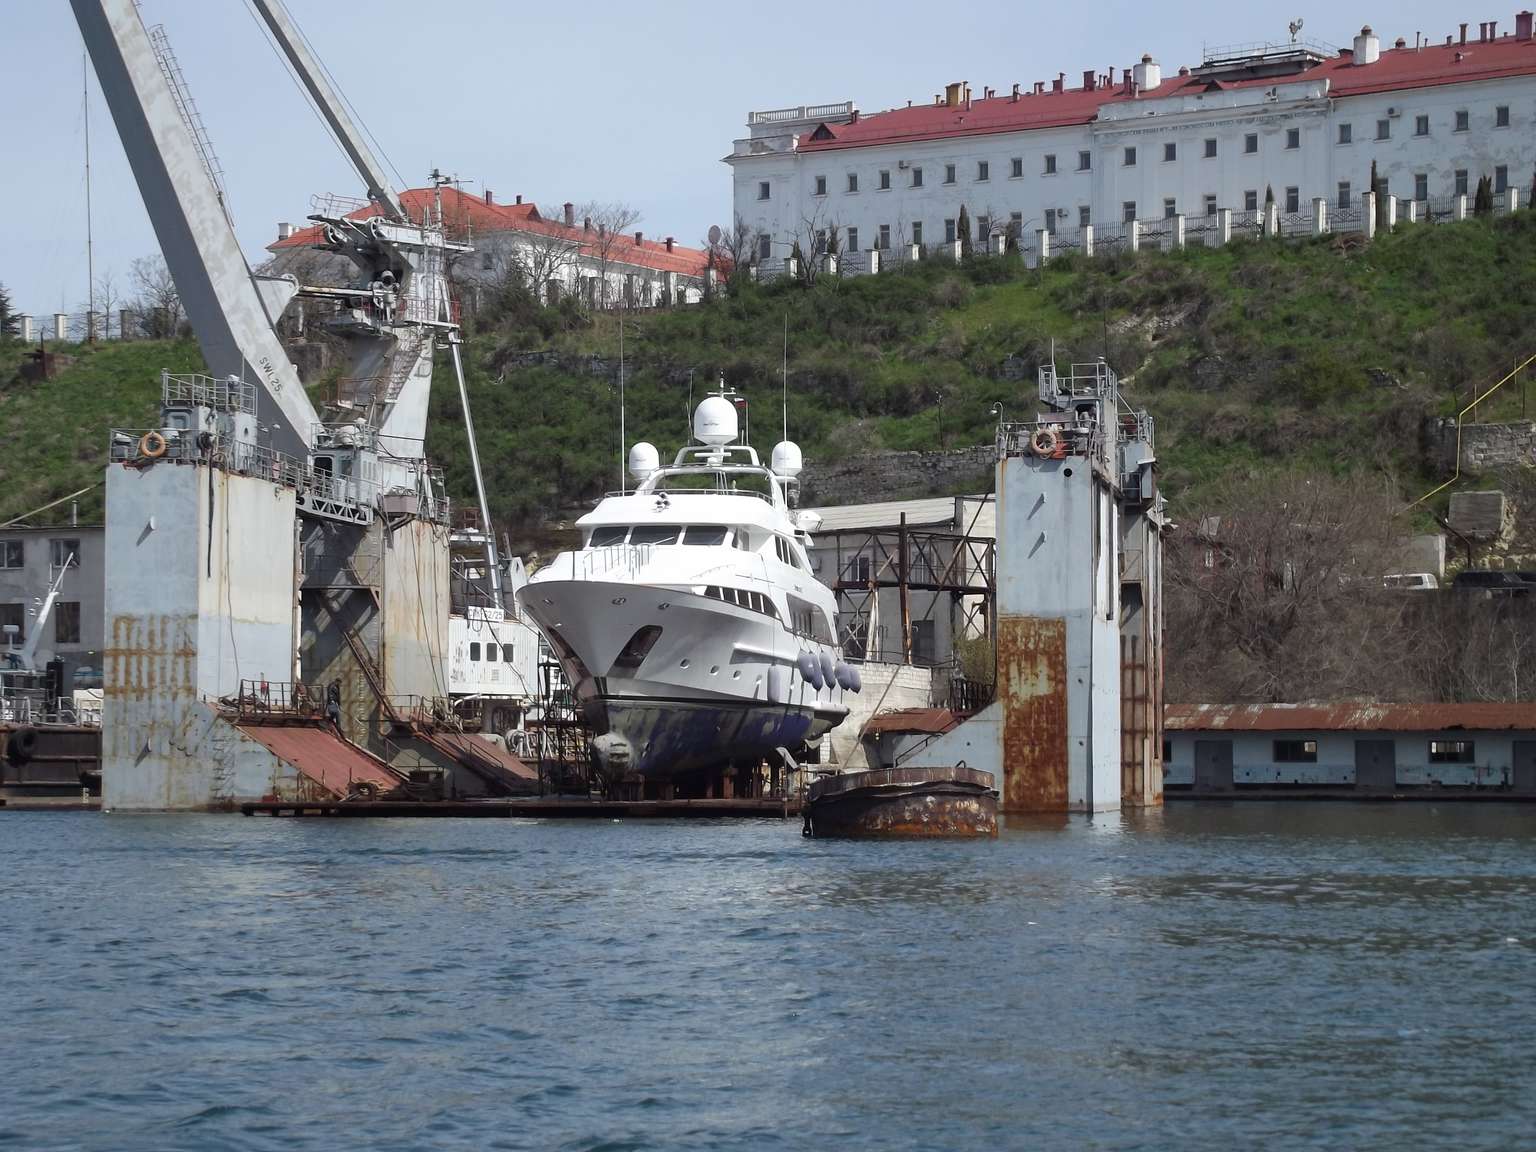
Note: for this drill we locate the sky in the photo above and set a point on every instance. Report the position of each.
(602, 101)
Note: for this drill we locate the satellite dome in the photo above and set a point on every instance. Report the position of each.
(714, 421)
(787, 460)
(643, 460)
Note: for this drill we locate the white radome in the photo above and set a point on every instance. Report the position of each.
(786, 460)
(714, 421)
(643, 460)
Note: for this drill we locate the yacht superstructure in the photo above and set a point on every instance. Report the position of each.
(689, 621)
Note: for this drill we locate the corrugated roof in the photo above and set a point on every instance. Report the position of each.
(931, 721)
(1349, 717)
(322, 756)
(1396, 69)
(461, 211)
(887, 514)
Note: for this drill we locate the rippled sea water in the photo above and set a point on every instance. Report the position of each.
(1255, 976)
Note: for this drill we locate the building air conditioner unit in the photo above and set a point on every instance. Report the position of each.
(1393, 112)
(902, 164)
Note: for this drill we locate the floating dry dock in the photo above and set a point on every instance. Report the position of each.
(903, 802)
(540, 808)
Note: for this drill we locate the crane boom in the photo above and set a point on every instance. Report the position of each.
(223, 302)
(330, 105)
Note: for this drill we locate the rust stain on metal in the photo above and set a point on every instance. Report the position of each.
(926, 803)
(1032, 683)
(1348, 717)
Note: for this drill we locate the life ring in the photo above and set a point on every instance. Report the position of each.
(152, 445)
(1044, 442)
(21, 746)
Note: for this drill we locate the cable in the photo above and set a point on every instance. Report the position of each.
(297, 83)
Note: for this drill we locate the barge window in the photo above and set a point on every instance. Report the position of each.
(705, 534)
(1451, 752)
(474, 651)
(490, 653)
(654, 534)
(635, 652)
(1295, 751)
(609, 534)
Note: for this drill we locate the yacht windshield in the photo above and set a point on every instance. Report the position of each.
(609, 534)
(654, 534)
(705, 534)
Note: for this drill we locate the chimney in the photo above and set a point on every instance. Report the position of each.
(1090, 80)
(1148, 74)
(1039, 87)
(284, 230)
(1522, 25)
(952, 94)
(1367, 47)
(1059, 83)
(586, 223)
(570, 214)
(1463, 39)
(854, 116)
(1400, 42)
(519, 199)
(639, 239)
(670, 242)
(1015, 96)
(490, 198)
(1493, 29)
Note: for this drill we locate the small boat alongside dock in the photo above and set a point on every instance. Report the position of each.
(894, 803)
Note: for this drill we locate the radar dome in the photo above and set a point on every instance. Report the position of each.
(643, 460)
(714, 421)
(787, 460)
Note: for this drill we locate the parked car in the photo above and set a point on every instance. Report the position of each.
(1411, 581)
(1492, 583)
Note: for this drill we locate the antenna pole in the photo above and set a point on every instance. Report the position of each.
(623, 483)
(90, 256)
(784, 380)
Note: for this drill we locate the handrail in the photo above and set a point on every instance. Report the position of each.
(1476, 400)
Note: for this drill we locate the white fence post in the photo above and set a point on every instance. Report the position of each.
(1391, 213)
(874, 261)
(914, 252)
(1368, 214)
(1271, 219)
(1042, 245)
(1133, 235)
(1512, 198)
(25, 325)
(1413, 212)
(829, 264)
(1459, 211)
(1319, 216)
(1178, 233)
(60, 326)
(1223, 226)
(1087, 239)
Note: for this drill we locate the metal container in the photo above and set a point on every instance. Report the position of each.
(896, 803)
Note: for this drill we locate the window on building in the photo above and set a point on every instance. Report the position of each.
(1251, 200)
(1461, 182)
(1251, 142)
(762, 190)
(1293, 200)
(1170, 151)
(1421, 185)
(885, 237)
(1128, 211)
(1463, 120)
(12, 553)
(853, 240)
(1085, 161)
(474, 651)
(983, 229)
(1016, 224)
(983, 170)
(1050, 164)
(917, 177)
(1167, 751)
(1016, 167)
(917, 231)
(1170, 208)
(1210, 147)
(853, 181)
(821, 185)
(1501, 179)
(1421, 125)
(764, 247)
(1343, 201)
(65, 552)
(860, 570)
(490, 654)
(13, 616)
(923, 651)
(1383, 129)
(949, 173)
(949, 230)
(1295, 751)
(1501, 116)
(1293, 138)
(66, 622)
(885, 179)
(1129, 157)
(1050, 221)
(1452, 752)
(1210, 204)
(1084, 214)
(1346, 133)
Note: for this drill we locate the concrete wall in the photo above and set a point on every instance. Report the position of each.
(887, 687)
(83, 585)
(1253, 757)
(1486, 447)
(415, 596)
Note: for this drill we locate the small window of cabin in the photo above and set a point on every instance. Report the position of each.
(490, 653)
(1295, 751)
(474, 652)
(654, 534)
(1452, 752)
(608, 534)
(705, 534)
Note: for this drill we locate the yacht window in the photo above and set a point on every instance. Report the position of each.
(705, 534)
(654, 534)
(490, 653)
(611, 534)
(635, 652)
(474, 651)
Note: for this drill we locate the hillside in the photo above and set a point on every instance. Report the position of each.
(1327, 354)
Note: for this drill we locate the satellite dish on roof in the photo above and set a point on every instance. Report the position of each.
(714, 233)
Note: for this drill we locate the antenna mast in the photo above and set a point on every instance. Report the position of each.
(784, 378)
(90, 255)
(623, 483)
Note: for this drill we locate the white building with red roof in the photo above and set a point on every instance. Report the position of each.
(1301, 119)
(555, 257)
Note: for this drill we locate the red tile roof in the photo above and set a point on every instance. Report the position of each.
(462, 212)
(1349, 717)
(1396, 69)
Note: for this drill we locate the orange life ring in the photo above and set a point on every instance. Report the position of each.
(1044, 442)
(152, 445)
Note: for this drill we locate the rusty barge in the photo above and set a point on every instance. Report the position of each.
(895, 803)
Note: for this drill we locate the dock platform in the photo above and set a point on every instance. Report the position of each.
(534, 808)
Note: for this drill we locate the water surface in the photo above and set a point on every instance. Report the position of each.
(1290, 976)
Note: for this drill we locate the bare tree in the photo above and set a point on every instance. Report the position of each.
(157, 303)
(108, 299)
(610, 223)
(814, 241)
(730, 253)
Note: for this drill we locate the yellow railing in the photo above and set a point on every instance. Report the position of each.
(1476, 400)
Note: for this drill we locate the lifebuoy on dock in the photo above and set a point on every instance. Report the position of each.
(152, 445)
(1045, 442)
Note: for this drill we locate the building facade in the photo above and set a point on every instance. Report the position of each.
(31, 559)
(1299, 121)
